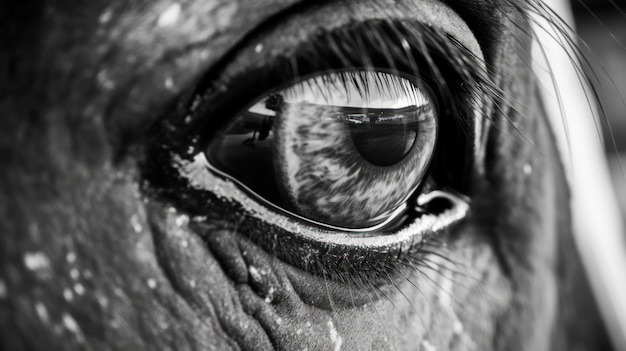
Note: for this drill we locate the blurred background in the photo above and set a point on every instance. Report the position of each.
(601, 25)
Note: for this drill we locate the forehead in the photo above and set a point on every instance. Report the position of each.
(117, 62)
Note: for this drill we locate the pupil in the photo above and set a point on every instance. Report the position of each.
(384, 137)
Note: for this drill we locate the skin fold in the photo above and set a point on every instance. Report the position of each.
(91, 259)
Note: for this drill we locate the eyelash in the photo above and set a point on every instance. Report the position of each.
(443, 61)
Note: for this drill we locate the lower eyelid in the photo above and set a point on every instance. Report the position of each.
(456, 209)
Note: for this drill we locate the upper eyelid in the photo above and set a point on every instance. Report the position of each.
(287, 40)
(248, 64)
(282, 39)
(213, 103)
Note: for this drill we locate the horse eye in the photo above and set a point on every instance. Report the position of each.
(342, 148)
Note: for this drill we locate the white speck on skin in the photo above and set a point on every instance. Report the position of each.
(36, 261)
(255, 274)
(151, 283)
(270, 295)
(104, 80)
(70, 324)
(42, 312)
(308, 324)
(528, 169)
(79, 288)
(170, 16)
(258, 48)
(169, 83)
(106, 16)
(182, 220)
(279, 321)
(74, 273)
(3, 289)
(192, 283)
(334, 336)
(184, 243)
(102, 301)
(134, 222)
(299, 331)
(68, 295)
(70, 257)
(428, 346)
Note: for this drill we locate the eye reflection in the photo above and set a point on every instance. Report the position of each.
(342, 148)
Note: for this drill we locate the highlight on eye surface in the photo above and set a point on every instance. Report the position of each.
(346, 148)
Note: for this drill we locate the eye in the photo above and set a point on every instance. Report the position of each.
(348, 147)
(343, 148)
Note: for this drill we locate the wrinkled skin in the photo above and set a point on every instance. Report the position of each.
(90, 259)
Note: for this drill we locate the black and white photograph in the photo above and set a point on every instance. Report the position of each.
(430, 175)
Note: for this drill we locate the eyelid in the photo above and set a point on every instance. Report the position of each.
(286, 36)
(285, 39)
(417, 229)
